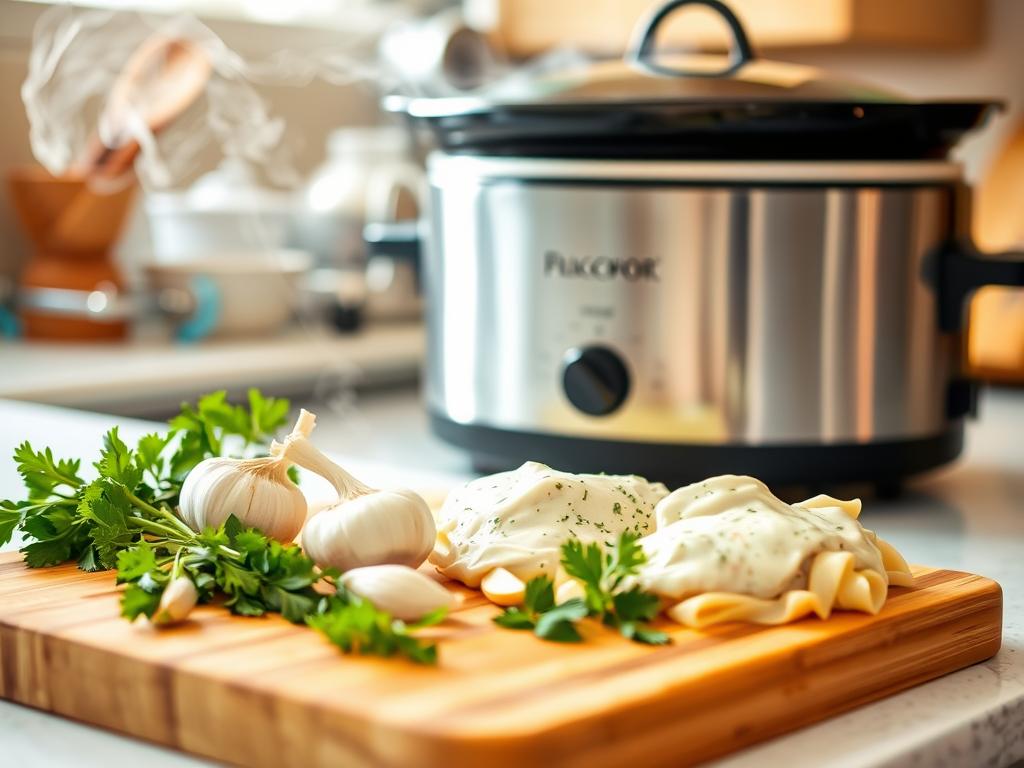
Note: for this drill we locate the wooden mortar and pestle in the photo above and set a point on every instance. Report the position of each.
(70, 285)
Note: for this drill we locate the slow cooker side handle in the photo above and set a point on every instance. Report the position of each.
(399, 240)
(963, 269)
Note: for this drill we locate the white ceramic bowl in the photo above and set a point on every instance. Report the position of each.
(236, 293)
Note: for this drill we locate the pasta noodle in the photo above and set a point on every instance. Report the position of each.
(851, 571)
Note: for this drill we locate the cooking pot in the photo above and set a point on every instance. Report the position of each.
(688, 265)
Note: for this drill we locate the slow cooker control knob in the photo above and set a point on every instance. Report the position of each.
(595, 379)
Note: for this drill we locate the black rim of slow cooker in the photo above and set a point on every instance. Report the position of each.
(885, 462)
(747, 130)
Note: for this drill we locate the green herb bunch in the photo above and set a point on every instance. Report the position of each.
(608, 596)
(126, 519)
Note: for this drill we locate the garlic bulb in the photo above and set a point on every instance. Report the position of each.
(381, 527)
(405, 593)
(256, 491)
(367, 526)
(176, 602)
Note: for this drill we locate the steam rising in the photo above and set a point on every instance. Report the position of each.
(78, 54)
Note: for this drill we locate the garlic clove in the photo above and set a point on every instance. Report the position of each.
(561, 576)
(277, 510)
(569, 590)
(404, 592)
(176, 602)
(503, 587)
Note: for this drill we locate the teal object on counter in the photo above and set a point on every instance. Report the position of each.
(207, 314)
(10, 328)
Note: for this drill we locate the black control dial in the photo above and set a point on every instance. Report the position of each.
(595, 379)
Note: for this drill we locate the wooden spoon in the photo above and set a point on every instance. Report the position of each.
(159, 82)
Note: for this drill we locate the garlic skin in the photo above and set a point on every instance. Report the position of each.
(381, 527)
(256, 491)
(405, 593)
(176, 602)
(366, 527)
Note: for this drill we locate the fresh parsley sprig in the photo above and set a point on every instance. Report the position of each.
(354, 625)
(136, 491)
(206, 427)
(126, 519)
(539, 613)
(605, 577)
(255, 574)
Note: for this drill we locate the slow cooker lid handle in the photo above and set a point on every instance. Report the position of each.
(640, 53)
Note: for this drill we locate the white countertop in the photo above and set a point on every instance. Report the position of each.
(968, 517)
(146, 375)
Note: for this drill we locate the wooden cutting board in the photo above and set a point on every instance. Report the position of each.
(262, 692)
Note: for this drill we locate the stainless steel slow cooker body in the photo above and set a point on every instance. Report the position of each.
(683, 265)
(687, 319)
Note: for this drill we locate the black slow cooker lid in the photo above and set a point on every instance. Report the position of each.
(694, 106)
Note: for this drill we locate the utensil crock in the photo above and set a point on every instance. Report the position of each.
(79, 261)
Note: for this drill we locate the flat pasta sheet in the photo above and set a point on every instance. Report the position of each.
(833, 582)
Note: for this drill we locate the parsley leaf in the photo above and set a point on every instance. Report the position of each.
(604, 577)
(117, 462)
(149, 453)
(89, 562)
(635, 605)
(258, 574)
(134, 563)
(515, 618)
(356, 626)
(294, 606)
(539, 613)
(583, 562)
(436, 616)
(641, 633)
(59, 536)
(137, 602)
(203, 429)
(42, 474)
(539, 595)
(267, 414)
(236, 580)
(558, 623)
(110, 516)
(141, 599)
(627, 557)
(11, 515)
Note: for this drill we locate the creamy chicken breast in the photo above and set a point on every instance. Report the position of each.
(518, 520)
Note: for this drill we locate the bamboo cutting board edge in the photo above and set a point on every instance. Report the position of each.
(605, 712)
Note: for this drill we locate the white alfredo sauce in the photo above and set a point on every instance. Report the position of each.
(518, 520)
(730, 534)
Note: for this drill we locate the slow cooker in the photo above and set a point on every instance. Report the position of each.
(687, 265)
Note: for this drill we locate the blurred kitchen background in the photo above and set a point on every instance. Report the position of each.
(189, 305)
